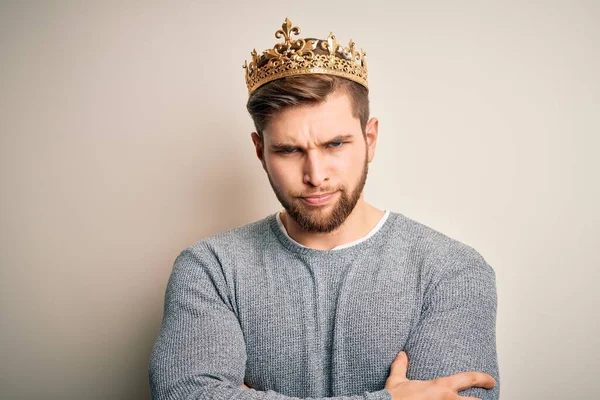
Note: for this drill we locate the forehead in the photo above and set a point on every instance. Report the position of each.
(314, 122)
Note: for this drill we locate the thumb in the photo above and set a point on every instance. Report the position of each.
(399, 367)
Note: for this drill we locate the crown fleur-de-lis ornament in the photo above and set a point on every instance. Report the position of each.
(305, 56)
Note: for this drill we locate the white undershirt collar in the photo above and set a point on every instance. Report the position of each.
(342, 246)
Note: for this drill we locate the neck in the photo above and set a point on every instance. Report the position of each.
(359, 223)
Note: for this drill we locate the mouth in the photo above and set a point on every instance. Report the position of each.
(317, 200)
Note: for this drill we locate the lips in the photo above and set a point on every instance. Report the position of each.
(318, 199)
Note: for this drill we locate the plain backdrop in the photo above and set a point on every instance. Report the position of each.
(124, 139)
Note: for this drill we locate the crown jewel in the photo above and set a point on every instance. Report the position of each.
(305, 56)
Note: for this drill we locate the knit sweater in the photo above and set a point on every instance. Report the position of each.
(252, 306)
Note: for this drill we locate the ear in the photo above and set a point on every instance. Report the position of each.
(258, 145)
(372, 132)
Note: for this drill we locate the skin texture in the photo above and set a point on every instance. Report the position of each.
(445, 388)
(321, 149)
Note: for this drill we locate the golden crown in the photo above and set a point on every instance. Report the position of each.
(305, 56)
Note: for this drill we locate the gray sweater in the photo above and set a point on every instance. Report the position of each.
(251, 305)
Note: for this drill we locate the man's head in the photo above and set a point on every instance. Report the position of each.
(314, 137)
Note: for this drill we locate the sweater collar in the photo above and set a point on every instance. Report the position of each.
(280, 232)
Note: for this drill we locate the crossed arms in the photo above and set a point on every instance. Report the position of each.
(200, 351)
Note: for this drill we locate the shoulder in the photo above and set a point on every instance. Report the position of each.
(427, 239)
(436, 252)
(240, 238)
(206, 260)
(219, 248)
(450, 271)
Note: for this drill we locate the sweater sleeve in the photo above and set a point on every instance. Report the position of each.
(456, 331)
(200, 351)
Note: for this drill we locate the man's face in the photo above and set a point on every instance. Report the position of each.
(316, 158)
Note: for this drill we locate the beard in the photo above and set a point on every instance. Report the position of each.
(314, 219)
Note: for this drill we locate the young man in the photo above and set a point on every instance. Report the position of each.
(331, 297)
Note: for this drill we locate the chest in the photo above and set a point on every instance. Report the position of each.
(325, 324)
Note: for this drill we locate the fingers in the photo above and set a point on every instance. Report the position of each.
(245, 387)
(399, 367)
(466, 380)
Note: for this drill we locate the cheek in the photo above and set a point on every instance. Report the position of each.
(349, 164)
(345, 164)
(281, 173)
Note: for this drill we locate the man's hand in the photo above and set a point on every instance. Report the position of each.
(446, 388)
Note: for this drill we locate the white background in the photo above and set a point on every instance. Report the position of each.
(124, 139)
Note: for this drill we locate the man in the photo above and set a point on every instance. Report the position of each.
(331, 297)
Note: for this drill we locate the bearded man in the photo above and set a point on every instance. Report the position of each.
(330, 297)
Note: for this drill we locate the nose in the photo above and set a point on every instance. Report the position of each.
(315, 169)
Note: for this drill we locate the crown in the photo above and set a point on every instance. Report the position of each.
(305, 56)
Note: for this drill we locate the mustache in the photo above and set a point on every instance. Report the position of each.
(319, 193)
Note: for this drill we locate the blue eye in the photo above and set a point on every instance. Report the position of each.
(289, 150)
(336, 145)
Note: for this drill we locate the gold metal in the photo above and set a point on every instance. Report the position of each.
(305, 56)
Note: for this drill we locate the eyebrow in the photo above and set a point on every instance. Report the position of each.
(284, 146)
